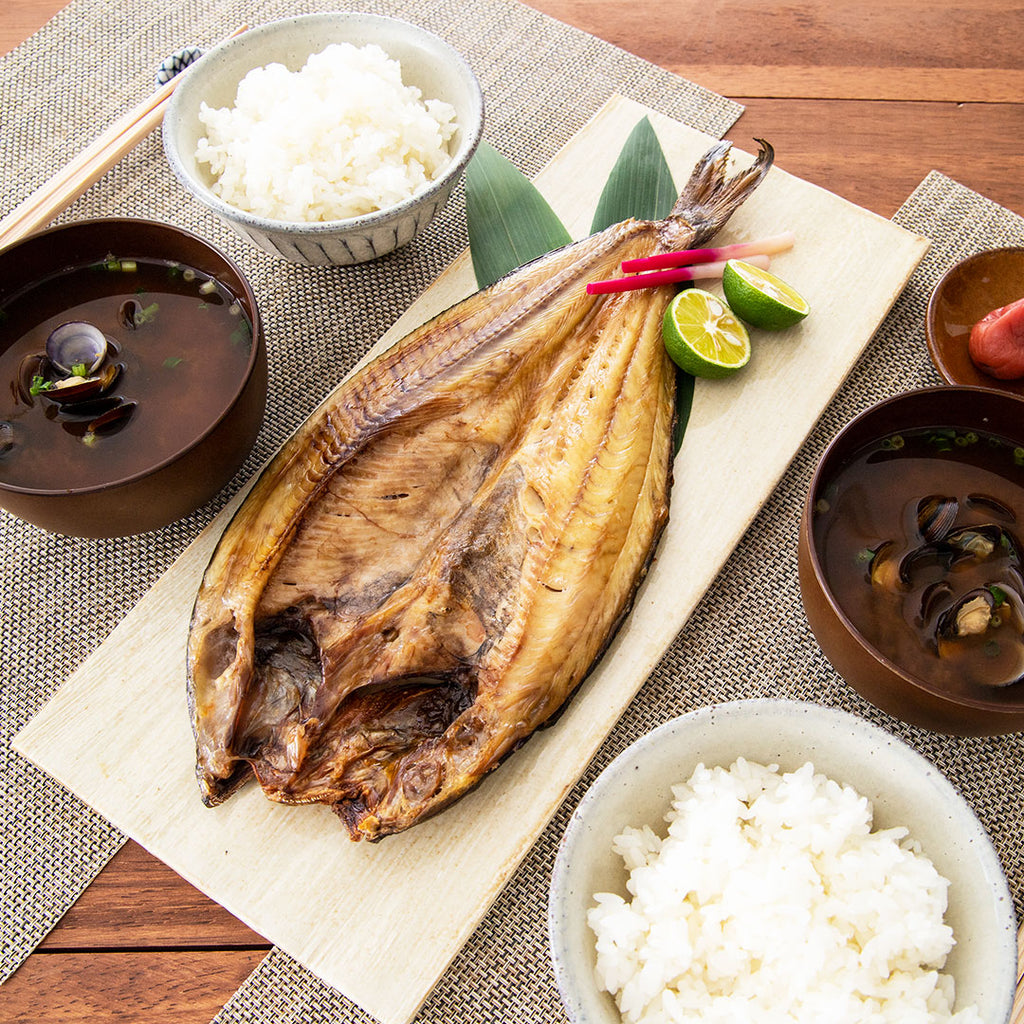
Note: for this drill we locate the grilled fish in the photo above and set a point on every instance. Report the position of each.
(431, 565)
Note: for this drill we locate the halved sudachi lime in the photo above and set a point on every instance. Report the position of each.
(760, 298)
(703, 336)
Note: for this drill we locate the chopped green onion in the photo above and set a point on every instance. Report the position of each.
(143, 316)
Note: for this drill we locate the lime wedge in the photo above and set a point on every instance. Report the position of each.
(702, 336)
(760, 298)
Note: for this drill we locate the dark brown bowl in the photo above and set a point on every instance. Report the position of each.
(219, 439)
(886, 684)
(968, 291)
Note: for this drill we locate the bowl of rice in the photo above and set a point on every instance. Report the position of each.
(775, 860)
(326, 139)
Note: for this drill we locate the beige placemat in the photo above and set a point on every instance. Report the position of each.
(747, 638)
(59, 599)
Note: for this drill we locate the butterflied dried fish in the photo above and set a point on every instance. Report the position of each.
(432, 564)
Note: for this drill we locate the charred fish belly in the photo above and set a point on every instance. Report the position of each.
(432, 564)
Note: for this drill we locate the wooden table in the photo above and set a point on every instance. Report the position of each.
(861, 99)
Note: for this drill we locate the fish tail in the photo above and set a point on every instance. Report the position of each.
(709, 198)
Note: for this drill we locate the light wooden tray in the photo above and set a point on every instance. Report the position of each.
(1017, 1014)
(382, 922)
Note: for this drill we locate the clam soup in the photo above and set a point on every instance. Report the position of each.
(918, 538)
(78, 413)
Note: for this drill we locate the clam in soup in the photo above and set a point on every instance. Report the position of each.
(918, 538)
(111, 368)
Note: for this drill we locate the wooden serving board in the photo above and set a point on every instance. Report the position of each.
(382, 922)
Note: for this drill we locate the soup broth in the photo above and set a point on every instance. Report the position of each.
(918, 539)
(179, 346)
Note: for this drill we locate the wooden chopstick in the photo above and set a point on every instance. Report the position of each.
(57, 193)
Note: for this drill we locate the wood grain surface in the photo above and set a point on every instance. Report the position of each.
(864, 99)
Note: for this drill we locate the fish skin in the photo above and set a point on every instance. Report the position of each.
(435, 560)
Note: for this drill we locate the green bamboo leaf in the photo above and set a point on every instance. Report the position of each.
(684, 403)
(640, 184)
(509, 221)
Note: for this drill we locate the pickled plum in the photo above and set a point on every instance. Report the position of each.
(997, 342)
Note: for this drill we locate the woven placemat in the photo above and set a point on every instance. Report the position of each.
(60, 598)
(747, 638)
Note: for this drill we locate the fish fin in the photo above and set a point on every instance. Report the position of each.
(709, 198)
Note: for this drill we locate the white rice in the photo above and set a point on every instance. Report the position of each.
(771, 900)
(340, 138)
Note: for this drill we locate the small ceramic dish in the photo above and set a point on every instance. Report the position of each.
(902, 786)
(427, 62)
(968, 291)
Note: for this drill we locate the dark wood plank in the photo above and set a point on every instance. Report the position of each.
(103, 988)
(138, 902)
(22, 18)
(933, 85)
(874, 154)
(903, 35)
